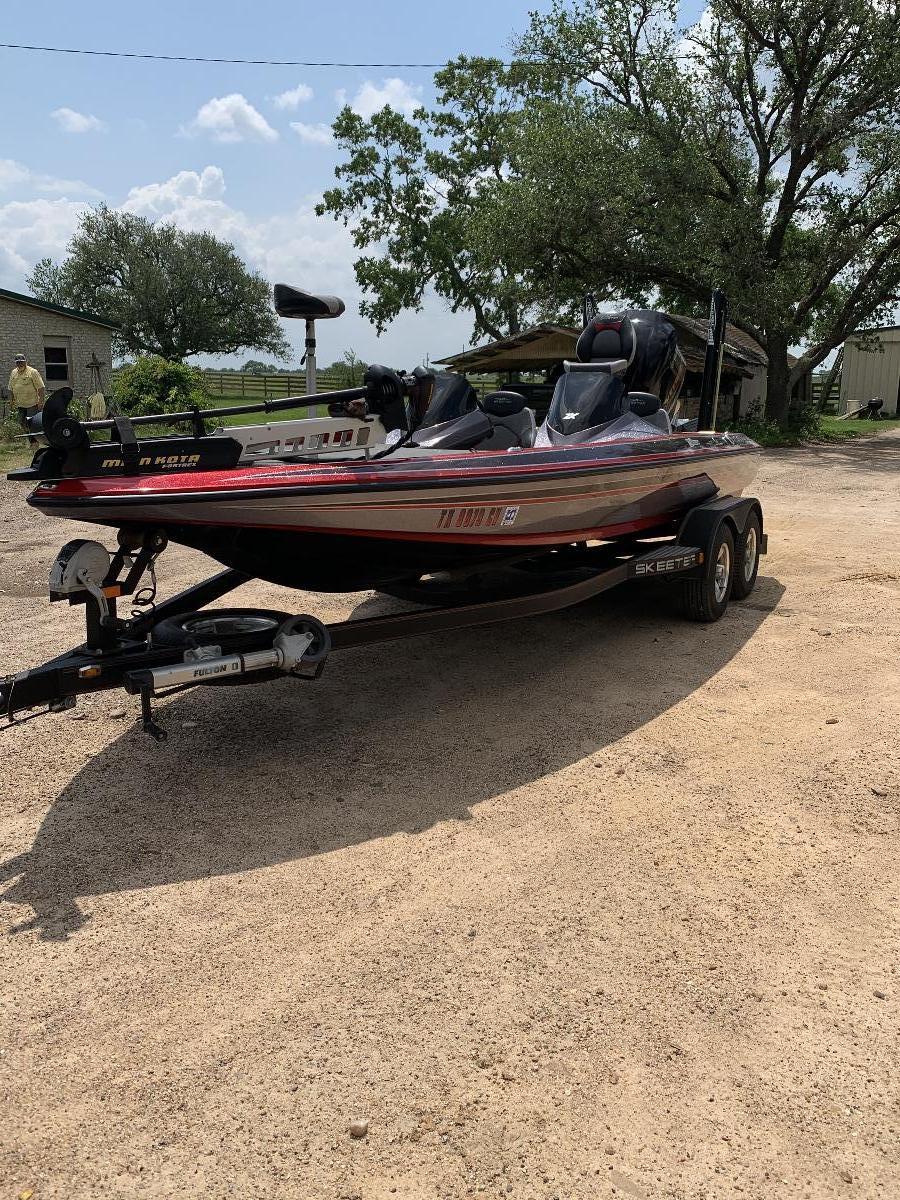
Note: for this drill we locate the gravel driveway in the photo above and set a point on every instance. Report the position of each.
(598, 903)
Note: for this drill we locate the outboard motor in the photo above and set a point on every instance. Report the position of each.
(629, 371)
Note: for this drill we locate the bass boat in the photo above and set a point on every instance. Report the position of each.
(411, 475)
(410, 485)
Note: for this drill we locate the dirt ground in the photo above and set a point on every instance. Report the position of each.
(600, 903)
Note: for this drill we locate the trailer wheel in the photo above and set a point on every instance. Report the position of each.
(706, 598)
(236, 630)
(746, 558)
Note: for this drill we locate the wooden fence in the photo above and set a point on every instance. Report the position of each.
(238, 386)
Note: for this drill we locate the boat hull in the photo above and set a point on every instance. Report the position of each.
(353, 526)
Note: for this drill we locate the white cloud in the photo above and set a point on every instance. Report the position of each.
(294, 245)
(12, 173)
(15, 175)
(71, 121)
(396, 93)
(187, 187)
(293, 97)
(33, 229)
(230, 118)
(317, 135)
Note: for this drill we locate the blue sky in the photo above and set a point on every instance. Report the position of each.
(240, 150)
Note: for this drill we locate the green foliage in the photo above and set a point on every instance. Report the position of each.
(414, 189)
(171, 293)
(348, 371)
(254, 367)
(152, 384)
(802, 425)
(45, 282)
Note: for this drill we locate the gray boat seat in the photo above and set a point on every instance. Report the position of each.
(609, 366)
(500, 422)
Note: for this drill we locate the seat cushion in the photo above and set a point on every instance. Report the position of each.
(292, 302)
(606, 337)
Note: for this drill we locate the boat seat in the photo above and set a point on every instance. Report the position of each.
(648, 407)
(292, 302)
(480, 430)
(609, 366)
(608, 339)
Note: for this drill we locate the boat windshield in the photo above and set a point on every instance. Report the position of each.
(453, 396)
(583, 400)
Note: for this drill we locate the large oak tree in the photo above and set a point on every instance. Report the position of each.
(629, 158)
(171, 292)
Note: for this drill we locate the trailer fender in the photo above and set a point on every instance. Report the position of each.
(701, 524)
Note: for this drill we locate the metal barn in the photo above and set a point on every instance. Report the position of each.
(871, 368)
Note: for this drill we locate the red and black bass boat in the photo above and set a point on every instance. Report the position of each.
(454, 481)
(410, 485)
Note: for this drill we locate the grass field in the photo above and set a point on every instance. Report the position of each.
(834, 430)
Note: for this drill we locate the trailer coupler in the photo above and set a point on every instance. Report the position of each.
(299, 649)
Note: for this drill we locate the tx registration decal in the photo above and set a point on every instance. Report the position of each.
(477, 518)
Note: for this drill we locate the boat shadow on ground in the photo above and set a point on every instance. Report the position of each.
(392, 738)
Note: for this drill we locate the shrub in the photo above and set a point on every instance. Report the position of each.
(802, 426)
(155, 385)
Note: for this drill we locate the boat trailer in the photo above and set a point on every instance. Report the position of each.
(179, 643)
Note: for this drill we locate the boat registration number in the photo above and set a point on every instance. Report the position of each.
(478, 518)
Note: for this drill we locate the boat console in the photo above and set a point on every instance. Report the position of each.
(499, 421)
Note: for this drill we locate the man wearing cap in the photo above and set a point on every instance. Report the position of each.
(27, 392)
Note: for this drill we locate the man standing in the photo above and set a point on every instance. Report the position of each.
(27, 392)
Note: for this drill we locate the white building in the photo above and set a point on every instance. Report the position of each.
(871, 368)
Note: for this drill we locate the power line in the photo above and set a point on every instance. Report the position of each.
(196, 58)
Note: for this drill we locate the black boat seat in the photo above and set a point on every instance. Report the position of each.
(649, 408)
(609, 366)
(607, 339)
(292, 302)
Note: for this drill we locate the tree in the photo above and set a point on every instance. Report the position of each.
(413, 188)
(348, 370)
(45, 282)
(623, 156)
(150, 384)
(172, 293)
(254, 367)
(760, 150)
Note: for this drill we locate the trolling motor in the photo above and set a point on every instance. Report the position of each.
(401, 400)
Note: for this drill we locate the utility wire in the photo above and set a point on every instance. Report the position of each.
(196, 58)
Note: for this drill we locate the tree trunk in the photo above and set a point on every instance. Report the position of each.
(778, 389)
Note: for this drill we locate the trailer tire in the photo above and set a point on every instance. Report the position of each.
(706, 598)
(236, 630)
(746, 559)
